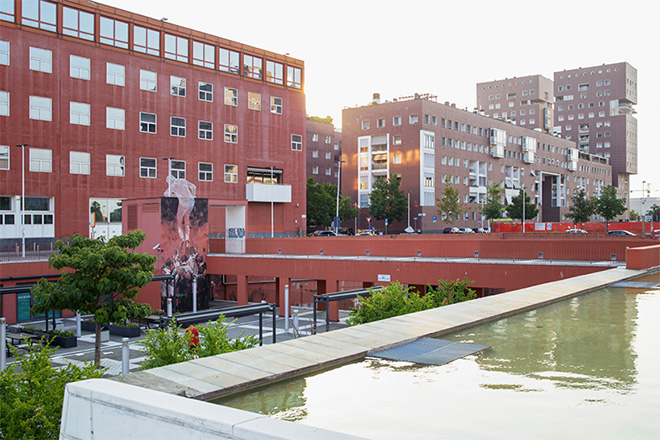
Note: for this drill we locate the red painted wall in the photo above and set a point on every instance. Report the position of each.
(643, 257)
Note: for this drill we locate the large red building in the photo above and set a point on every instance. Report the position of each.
(111, 105)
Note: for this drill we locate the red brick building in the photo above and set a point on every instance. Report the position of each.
(323, 150)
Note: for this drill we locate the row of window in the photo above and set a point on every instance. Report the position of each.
(315, 154)
(328, 139)
(42, 14)
(328, 171)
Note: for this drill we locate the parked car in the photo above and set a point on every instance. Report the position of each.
(466, 231)
(325, 234)
(480, 231)
(577, 231)
(451, 231)
(621, 232)
(364, 232)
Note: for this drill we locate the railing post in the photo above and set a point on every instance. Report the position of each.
(286, 308)
(78, 325)
(194, 295)
(169, 307)
(274, 323)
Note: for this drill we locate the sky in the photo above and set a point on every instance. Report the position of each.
(352, 49)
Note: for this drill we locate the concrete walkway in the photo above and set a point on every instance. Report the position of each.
(216, 376)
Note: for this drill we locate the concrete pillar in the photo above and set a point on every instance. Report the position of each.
(241, 290)
(280, 284)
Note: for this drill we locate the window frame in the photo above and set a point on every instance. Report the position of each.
(82, 68)
(205, 133)
(115, 77)
(146, 81)
(80, 164)
(207, 58)
(5, 157)
(177, 126)
(147, 124)
(147, 168)
(77, 30)
(177, 86)
(202, 95)
(80, 111)
(41, 109)
(297, 143)
(276, 108)
(118, 116)
(5, 103)
(177, 169)
(232, 174)
(231, 96)
(117, 36)
(41, 60)
(231, 133)
(254, 101)
(180, 47)
(115, 165)
(41, 164)
(5, 53)
(233, 61)
(204, 173)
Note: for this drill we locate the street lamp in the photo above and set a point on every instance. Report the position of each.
(339, 162)
(272, 208)
(408, 210)
(169, 171)
(524, 201)
(22, 205)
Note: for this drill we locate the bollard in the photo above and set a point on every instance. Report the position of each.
(78, 325)
(194, 296)
(286, 308)
(3, 343)
(124, 356)
(169, 307)
(296, 327)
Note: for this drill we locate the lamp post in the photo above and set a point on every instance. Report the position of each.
(408, 209)
(169, 171)
(524, 202)
(272, 207)
(339, 162)
(22, 204)
(642, 213)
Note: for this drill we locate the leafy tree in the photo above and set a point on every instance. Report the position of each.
(387, 201)
(449, 205)
(450, 292)
(609, 205)
(655, 212)
(322, 204)
(326, 120)
(581, 208)
(493, 208)
(634, 216)
(32, 393)
(104, 279)
(515, 209)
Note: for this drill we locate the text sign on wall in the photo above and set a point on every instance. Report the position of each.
(384, 277)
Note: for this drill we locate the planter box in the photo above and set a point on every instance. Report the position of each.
(88, 326)
(127, 332)
(65, 341)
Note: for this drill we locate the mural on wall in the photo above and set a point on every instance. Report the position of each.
(183, 246)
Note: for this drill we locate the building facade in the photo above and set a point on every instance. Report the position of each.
(428, 144)
(109, 105)
(323, 150)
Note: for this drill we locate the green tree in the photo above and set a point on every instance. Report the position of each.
(103, 280)
(449, 205)
(347, 210)
(493, 208)
(32, 392)
(387, 201)
(96, 210)
(515, 209)
(655, 212)
(582, 208)
(608, 205)
(322, 204)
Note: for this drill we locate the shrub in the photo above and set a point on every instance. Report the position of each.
(451, 292)
(393, 300)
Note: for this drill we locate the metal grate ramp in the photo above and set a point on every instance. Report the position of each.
(636, 284)
(430, 351)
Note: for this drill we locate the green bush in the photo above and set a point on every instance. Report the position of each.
(450, 292)
(31, 403)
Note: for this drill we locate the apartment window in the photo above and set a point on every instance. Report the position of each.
(315, 170)
(315, 154)
(79, 67)
(229, 61)
(252, 66)
(147, 122)
(176, 48)
(315, 137)
(203, 55)
(146, 40)
(328, 155)
(7, 12)
(177, 86)
(114, 165)
(178, 169)
(177, 126)
(205, 172)
(4, 157)
(206, 130)
(79, 113)
(205, 92)
(336, 147)
(328, 171)
(114, 32)
(231, 173)
(41, 108)
(41, 160)
(276, 105)
(397, 158)
(396, 121)
(328, 139)
(380, 122)
(365, 125)
(41, 60)
(115, 74)
(293, 77)
(254, 101)
(39, 14)
(296, 142)
(231, 133)
(4, 53)
(4, 103)
(231, 96)
(274, 72)
(78, 24)
(147, 167)
(413, 119)
(115, 118)
(79, 162)
(148, 80)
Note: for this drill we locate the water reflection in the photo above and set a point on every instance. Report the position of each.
(283, 399)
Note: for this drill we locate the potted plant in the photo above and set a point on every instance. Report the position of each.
(128, 330)
(63, 338)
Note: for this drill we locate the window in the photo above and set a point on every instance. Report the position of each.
(176, 48)
(315, 170)
(39, 14)
(396, 158)
(328, 155)
(203, 55)
(336, 147)
(79, 67)
(148, 80)
(296, 142)
(147, 122)
(229, 61)
(396, 140)
(178, 169)
(328, 139)
(205, 172)
(252, 66)
(328, 171)
(41, 60)
(114, 165)
(78, 24)
(276, 105)
(315, 137)
(147, 167)
(205, 92)
(315, 154)
(115, 74)
(231, 174)
(274, 72)
(396, 121)
(380, 122)
(41, 108)
(79, 162)
(7, 12)
(146, 40)
(206, 130)
(365, 125)
(114, 32)
(41, 160)
(4, 157)
(231, 133)
(177, 126)
(4, 103)
(114, 118)
(177, 86)
(79, 113)
(414, 119)
(293, 77)
(4, 52)
(254, 101)
(231, 96)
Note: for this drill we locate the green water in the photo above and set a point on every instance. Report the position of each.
(584, 368)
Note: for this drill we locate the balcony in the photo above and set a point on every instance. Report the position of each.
(259, 192)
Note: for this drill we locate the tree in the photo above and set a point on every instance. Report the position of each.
(387, 201)
(655, 212)
(104, 279)
(609, 205)
(449, 205)
(322, 204)
(493, 208)
(96, 210)
(515, 209)
(581, 208)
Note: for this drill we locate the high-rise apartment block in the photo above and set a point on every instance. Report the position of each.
(323, 150)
